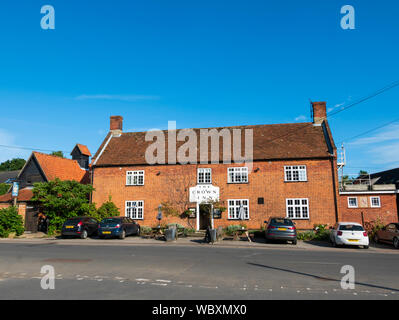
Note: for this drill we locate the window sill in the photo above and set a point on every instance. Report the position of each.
(237, 182)
(295, 181)
(134, 185)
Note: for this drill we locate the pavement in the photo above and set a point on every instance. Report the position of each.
(257, 243)
(137, 268)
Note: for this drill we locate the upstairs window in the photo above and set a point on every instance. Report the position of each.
(295, 173)
(135, 178)
(352, 202)
(237, 175)
(204, 176)
(375, 202)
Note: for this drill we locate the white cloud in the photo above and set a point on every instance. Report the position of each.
(301, 118)
(382, 148)
(390, 133)
(339, 105)
(113, 97)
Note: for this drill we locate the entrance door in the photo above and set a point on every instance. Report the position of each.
(205, 216)
(31, 219)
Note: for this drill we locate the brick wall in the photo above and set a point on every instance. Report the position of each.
(172, 182)
(386, 213)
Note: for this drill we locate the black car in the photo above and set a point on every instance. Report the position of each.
(118, 227)
(80, 227)
(281, 229)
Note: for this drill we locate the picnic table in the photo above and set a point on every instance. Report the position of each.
(239, 232)
(159, 232)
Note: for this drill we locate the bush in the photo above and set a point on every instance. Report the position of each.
(106, 210)
(306, 235)
(188, 231)
(10, 221)
(4, 188)
(319, 233)
(229, 230)
(373, 226)
(145, 230)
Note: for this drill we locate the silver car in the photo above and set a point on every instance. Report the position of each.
(280, 229)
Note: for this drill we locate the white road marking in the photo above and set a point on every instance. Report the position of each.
(167, 281)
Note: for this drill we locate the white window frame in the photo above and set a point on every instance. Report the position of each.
(233, 209)
(236, 175)
(301, 206)
(134, 209)
(299, 171)
(351, 206)
(202, 172)
(135, 178)
(371, 202)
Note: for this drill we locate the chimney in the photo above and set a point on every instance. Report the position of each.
(319, 112)
(115, 126)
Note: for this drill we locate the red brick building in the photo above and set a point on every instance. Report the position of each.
(294, 174)
(367, 200)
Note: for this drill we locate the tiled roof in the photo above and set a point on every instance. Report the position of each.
(23, 195)
(84, 150)
(57, 167)
(5, 175)
(276, 141)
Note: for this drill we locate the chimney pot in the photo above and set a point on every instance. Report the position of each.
(319, 112)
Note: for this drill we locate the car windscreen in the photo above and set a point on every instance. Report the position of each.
(350, 227)
(281, 221)
(111, 220)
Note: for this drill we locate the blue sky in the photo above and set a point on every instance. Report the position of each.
(201, 63)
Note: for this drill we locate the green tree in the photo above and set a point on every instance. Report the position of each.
(4, 188)
(107, 209)
(362, 172)
(61, 200)
(57, 154)
(10, 221)
(13, 164)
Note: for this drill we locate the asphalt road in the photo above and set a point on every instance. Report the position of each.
(115, 271)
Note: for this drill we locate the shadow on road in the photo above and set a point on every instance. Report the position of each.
(321, 278)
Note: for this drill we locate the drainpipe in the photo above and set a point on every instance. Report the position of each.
(334, 189)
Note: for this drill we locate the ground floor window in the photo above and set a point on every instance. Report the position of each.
(297, 208)
(135, 209)
(234, 208)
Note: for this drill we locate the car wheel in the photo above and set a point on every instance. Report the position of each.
(396, 242)
(83, 234)
(365, 247)
(138, 231)
(294, 242)
(122, 235)
(376, 239)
